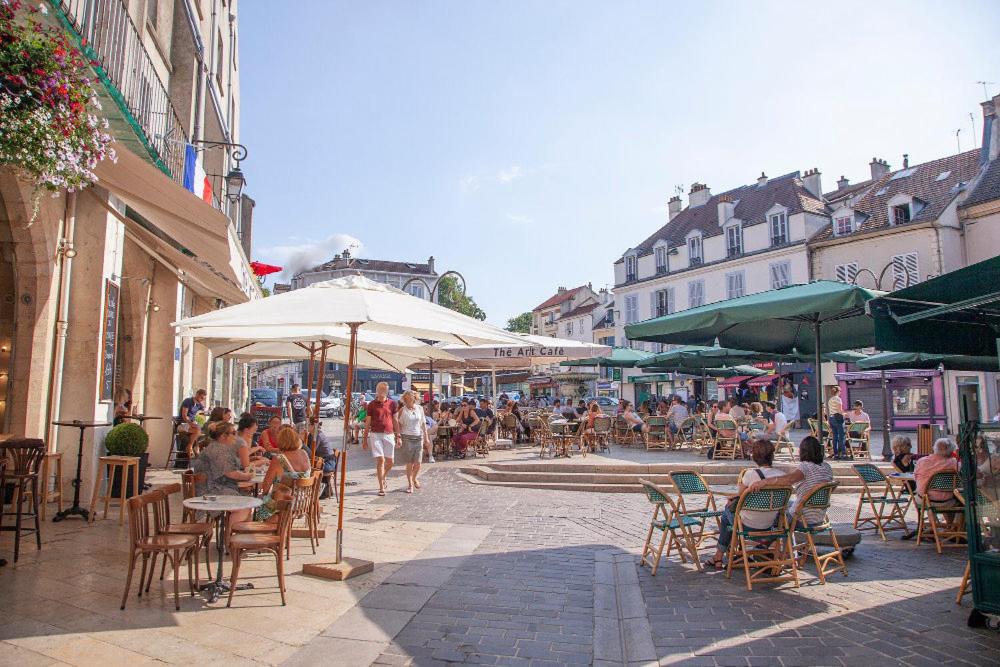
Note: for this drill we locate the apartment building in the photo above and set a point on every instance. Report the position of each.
(92, 280)
(545, 316)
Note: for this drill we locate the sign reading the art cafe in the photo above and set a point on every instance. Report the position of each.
(527, 352)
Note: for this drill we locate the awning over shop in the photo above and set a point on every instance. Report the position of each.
(187, 232)
(733, 382)
(656, 377)
(762, 381)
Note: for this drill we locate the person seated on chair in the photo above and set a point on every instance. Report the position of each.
(676, 414)
(762, 454)
(593, 412)
(663, 407)
(220, 461)
(292, 463)
(484, 411)
(326, 452)
(633, 420)
(580, 411)
(468, 422)
(857, 415)
(926, 467)
(250, 454)
(902, 461)
(777, 422)
(268, 440)
(811, 472)
(187, 416)
(736, 411)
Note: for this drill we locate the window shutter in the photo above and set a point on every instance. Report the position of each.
(652, 304)
(670, 300)
(905, 270)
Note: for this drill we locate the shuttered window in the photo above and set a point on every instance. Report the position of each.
(662, 302)
(905, 270)
(696, 293)
(781, 274)
(735, 285)
(846, 273)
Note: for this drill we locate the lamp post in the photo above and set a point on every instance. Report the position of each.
(431, 290)
(234, 179)
(883, 381)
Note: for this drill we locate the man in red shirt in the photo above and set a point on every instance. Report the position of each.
(381, 433)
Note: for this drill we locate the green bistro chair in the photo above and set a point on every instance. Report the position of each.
(602, 434)
(828, 563)
(857, 440)
(878, 493)
(657, 433)
(763, 553)
(726, 447)
(691, 485)
(669, 522)
(928, 511)
(688, 432)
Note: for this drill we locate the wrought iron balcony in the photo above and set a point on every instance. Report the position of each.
(146, 121)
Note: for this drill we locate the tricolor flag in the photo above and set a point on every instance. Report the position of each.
(195, 179)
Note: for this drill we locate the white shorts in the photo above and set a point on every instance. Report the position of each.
(382, 444)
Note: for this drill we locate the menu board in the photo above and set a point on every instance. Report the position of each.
(109, 340)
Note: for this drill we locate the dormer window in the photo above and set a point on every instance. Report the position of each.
(779, 228)
(660, 253)
(694, 250)
(843, 225)
(631, 271)
(734, 241)
(900, 214)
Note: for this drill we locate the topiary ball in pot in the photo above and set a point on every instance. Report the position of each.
(126, 440)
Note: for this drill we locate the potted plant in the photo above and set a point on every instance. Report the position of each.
(128, 440)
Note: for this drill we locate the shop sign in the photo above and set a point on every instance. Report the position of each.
(616, 374)
(764, 365)
(109, 340)
(527, 352)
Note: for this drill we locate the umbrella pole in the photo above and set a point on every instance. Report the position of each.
(319, 390)
(886, 443)
(343, 568)
(430, 385)
(493, 372)
(309, 376)
(819, 379)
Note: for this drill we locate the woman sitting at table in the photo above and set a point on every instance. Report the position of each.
(589, 435)
(250, 454)
(268, 440)
(220, 462)
(468, 422)
(291, 464)
(811, 472)
(358, 425)
(633, 420)
(523, 430)
(761, 453)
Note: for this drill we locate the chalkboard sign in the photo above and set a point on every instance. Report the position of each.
(109, 340)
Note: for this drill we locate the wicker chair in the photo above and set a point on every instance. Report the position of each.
(726, 447)
(481, 445)
(602, 433)
(832, 561)
(763, 552)
(508, 426)
(657, 435)
(878, 494)
(928, 511)
(666, 520)
(858, 440)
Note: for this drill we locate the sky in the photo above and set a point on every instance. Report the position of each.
(527, 145)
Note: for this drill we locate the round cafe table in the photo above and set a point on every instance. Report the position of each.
(218, 508)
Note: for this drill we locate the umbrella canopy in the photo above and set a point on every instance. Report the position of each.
(696, 357)
(781, 320)
(351, 300)
(726, 372)
(954, 362)
(530, 350)
(955, 313)
(262, 269)
(620, 357)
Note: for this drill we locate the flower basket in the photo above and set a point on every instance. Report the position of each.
(49, 127)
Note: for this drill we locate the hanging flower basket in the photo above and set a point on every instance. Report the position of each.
(49, 127)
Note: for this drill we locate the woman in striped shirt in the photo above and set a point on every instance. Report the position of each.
(811, 472)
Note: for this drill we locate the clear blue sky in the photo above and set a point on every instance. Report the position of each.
(528, 144)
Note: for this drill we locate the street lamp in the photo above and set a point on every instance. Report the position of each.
(234, 179)
(234, 184)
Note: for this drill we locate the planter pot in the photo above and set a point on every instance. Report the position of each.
(116, 481)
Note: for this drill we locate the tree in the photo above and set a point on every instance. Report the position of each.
(520, 324)
(450, 295)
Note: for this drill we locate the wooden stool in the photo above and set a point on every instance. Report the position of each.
(108, 465)
(22, 459)
(52, 463)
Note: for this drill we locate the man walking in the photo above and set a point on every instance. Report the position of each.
(381, 432)
(297, 404)
(835, 410)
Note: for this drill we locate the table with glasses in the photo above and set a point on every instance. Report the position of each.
(218, 509)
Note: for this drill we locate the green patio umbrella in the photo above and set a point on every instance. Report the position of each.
(955, 313)
(952, 362)
(727, 372)
(821, 316)
(697, 357)
(620, 357)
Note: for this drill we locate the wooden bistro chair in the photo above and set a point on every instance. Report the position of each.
(763, 553)
(825, 437)
(623, 433)
(276, 543)
(543, 435)
(508, 427)
(783, 445)
(602, 434)
(928, 511)
(886, 507)
(827, 563)
(726, 447)
(657, 434)
(146, 543)
(696, 501)
(858, 440)
(302, 496)
(23, 458)
(688, 432)
(668, 522)
(202, 529)
(481, 445)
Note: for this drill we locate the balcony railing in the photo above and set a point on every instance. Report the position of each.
(110, 37)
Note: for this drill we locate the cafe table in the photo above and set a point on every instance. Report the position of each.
(218, 508)
(142, 419)
(75, 509)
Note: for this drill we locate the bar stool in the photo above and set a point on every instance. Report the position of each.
(24, 457)
(106, 468)
(51, 469)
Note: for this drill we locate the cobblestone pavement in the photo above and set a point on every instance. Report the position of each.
(487, 575)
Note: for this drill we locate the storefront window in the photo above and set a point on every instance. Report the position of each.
(911, 401)
(987, 453)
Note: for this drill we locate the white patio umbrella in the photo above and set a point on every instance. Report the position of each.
(352, 302)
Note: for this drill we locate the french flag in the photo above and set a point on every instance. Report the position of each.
(195, 179)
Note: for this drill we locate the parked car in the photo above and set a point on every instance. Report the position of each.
(609, 406)
(264, 396)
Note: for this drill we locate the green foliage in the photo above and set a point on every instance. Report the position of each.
(520, 324)
(126, 439)
(450, 296)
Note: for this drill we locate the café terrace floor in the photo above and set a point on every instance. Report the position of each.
(468, 573)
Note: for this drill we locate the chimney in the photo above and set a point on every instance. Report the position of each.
(673, 207)
(700, 194)
(762, 180)
(991, 129)
(347, 253)
(561, 290)
(842, 183)
(727, 209)
(811, 182)
(879, 168)
(604, 295)
(430, 263)
(906, 160)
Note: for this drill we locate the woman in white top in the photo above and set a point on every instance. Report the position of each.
(762, 453)
(413, 429)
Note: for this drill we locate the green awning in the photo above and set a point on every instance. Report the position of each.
(780, 321)
(955, 313)
(656, 377)
(952, 362)
(620, 357)
(696, 357)
(727, 372)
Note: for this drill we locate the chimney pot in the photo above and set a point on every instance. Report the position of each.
(843, 182)
(430, 263)
(762, 179)
(906, 160)
(561, 290)
(879, 168)
(700, 194)
(812, 182)
(673, 207)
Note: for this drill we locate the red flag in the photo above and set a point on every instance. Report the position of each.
(262, 269)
